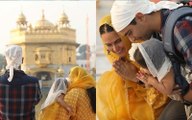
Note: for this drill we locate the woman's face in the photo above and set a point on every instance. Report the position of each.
(113, 43)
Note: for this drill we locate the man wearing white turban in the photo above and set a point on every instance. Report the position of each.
(124, 12)
(138, 20)
(19, 92)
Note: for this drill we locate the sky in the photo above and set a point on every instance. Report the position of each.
(77, 12)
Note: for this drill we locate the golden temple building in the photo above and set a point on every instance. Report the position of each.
(49, 50)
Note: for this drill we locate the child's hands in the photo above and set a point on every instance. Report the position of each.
(142, 76)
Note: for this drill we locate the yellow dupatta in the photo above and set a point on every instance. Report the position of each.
(79, 78)
(118, 99)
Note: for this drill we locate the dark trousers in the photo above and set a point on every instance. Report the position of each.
(173, 111)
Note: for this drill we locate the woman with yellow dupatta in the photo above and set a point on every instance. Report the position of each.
(119, 96)
(80, 96)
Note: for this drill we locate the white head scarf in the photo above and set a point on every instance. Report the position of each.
(155, 58)
(123, 12)
(13, 55)
(59, 86)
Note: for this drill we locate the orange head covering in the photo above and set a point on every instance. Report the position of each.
(79, 78)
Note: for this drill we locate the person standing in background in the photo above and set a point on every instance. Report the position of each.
(19, 92)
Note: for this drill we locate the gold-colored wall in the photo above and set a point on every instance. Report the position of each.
(46, 50)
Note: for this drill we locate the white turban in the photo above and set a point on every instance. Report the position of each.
(13, 55)
(123, 12)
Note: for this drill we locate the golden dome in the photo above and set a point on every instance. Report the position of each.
(21, 19)
(43, 24)
(63, 18)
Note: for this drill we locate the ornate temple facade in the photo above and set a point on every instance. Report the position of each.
(49, 50)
